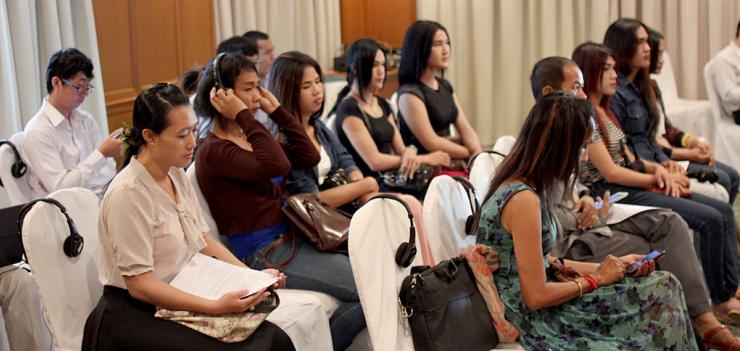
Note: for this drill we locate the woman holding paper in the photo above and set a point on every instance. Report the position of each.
(150, 226)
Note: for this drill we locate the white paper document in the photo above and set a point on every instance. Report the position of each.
(210, 278)
(620, 212)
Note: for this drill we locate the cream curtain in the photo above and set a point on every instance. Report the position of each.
(30, 31)
(496, 43)
(310, 26)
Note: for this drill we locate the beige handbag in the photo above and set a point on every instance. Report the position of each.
(228, 327)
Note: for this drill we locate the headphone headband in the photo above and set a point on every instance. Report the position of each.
(73, 244)
(216, 72)
(406, 251)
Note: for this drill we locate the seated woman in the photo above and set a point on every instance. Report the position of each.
(680, 145)
(607, 170)
(240, 166)
(150, 226)
(365, 123)
(297, 82)
(427, 104)
(600, 309)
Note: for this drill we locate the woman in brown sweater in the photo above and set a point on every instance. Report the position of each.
(240, 170)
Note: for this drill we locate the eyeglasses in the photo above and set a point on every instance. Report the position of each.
(87, 88)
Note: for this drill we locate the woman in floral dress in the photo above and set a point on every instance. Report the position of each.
(601, 309)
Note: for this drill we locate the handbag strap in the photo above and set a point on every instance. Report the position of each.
(290, 235)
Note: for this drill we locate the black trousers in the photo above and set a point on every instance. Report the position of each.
(120, 322)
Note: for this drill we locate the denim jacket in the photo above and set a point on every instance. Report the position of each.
(628, 107)
(306, 180)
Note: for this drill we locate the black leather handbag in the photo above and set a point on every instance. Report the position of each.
(444, 309)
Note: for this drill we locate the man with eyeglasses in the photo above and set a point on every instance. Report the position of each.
(63, 146)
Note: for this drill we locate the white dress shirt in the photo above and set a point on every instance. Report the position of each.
(62, 153)
(726, 72)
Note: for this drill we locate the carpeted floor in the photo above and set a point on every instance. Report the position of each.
(736, 206)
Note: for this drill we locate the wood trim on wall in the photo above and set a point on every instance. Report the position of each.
(143, 42)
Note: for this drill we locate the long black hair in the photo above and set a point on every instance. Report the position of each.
(360, 63)
(547, 151)
(151, 108)
(417, 47)
(621, 39)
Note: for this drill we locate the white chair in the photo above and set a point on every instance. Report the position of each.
(18, 189)
(689, 115)
(302, 314)
(393, 102)
(378, 228)
(69, 287)
(446, 209)
(725, 140)
(212, 227)
(504, 144)
(482, 169)
(331, 90)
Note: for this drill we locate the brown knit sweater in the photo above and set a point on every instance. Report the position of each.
(237, 183)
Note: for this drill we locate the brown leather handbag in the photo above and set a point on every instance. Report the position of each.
(326, 227)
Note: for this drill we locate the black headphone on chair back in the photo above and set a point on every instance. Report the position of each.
(471, 223)
(18, 169)
(73, 244)
(407, 250)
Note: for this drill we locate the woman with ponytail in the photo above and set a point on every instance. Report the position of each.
(150, 226)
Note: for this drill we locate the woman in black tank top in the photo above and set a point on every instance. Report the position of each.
(365, 123)
(427, 104)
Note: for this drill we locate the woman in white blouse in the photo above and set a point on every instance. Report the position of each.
(150, 226)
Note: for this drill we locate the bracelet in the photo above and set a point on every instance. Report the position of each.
(591, 281)
(580, 287)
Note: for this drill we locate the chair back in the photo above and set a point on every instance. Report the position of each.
(378, 228)
(18, 189)
(212, 227)
(482, 169)
(504, 144)
(667, 80)
(69, 286)
(446, 209)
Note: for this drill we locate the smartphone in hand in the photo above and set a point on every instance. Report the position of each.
(613, 198)
(652, 256)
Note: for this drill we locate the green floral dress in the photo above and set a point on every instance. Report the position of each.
(647, 313)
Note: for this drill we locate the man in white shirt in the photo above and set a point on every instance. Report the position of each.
(264, 63)
(726, 71)
(63, 146)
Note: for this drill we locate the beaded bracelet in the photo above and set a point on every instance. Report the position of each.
(591, 281)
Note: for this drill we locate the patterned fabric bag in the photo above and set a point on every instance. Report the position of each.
(228, 327)
(483, 261)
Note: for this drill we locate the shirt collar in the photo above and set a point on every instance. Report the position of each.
(51, 112)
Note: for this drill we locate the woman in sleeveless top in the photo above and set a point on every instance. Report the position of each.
(604, 308)
(427, 104)
(365, 123)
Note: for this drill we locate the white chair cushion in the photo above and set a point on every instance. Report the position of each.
(69, 287)
(18, 189)
(446, 208)
(377, 229)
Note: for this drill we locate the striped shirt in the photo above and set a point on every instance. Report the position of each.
(590, 174)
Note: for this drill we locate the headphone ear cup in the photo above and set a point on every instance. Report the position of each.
(73, 245)
(18, 169)
(405, 254)
(468, 224)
